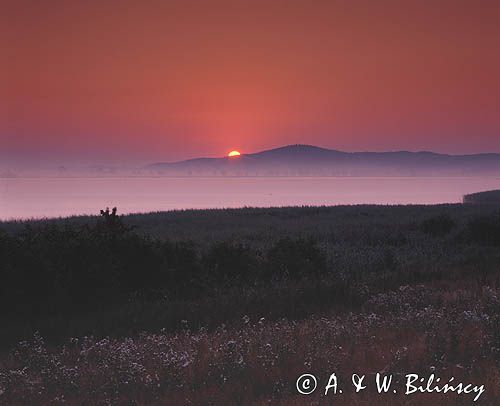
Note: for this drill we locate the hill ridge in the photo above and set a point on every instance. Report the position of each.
(311, 160)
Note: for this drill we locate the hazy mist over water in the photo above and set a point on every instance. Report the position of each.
(55, 197)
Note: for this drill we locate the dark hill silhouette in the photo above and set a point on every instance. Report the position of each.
(308, 160)
(487, 197)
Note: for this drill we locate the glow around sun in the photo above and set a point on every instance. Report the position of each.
(234, 153)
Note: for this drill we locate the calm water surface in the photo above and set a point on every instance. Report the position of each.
(54, 197)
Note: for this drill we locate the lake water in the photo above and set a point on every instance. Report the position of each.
(54, 197)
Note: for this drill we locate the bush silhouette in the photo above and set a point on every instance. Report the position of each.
(294, 258)
(61, 269)
(111, 220)
(228, 260)
(438, 225)
(484, 230)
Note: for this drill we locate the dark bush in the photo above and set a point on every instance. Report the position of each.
(228, 260)
(60, 269)
(294, 258)
(484, 230)
(183, 264)
(438, 225)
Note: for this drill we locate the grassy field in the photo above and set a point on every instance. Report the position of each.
(231, 306)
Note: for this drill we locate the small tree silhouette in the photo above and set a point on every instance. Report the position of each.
(112, 220)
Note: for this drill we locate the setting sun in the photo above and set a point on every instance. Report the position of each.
(234, 153)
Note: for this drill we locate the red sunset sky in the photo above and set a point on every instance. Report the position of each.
(138, 81)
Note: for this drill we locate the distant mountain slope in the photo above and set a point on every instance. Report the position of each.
(487, 197)
(308, 160)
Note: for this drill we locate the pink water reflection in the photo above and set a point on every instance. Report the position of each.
(53, 197)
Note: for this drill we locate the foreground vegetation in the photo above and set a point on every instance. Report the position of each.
(231, 306)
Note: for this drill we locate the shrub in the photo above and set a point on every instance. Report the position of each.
(229, 260)
(293, 258)
(484, 230)
(59, 269)
(438, 225)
